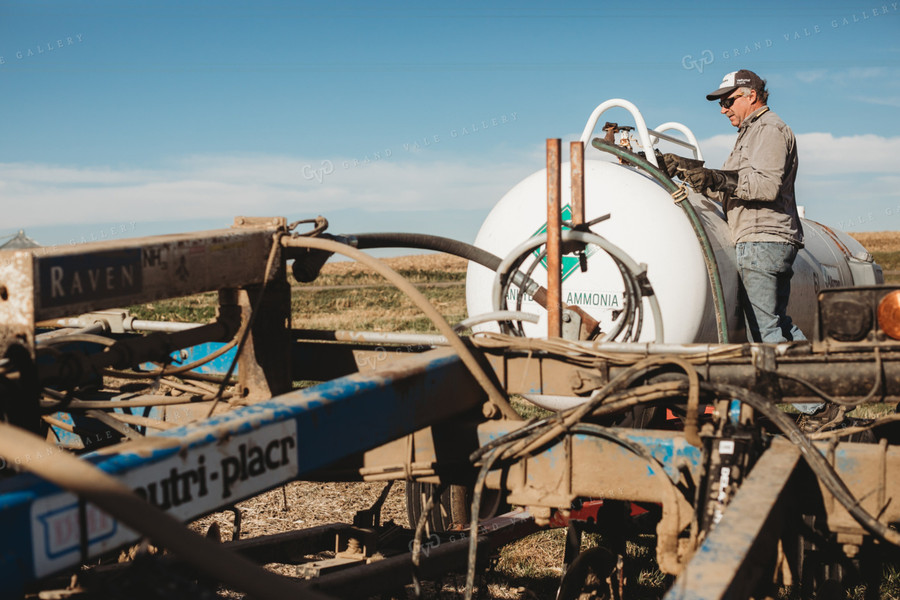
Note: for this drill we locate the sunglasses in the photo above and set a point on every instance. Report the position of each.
(727, 102)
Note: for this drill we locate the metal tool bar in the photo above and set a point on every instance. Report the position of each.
(729, 563)
(197, 469)
(372, 337)
(116, 321)
(384, 575)
(609, 470)
(62, 281)
(554, 241)
(288, 547)
(625, 475)
(846, 375)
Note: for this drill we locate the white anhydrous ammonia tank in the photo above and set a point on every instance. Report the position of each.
(647, 224)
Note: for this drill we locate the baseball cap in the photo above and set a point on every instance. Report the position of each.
(735, 80)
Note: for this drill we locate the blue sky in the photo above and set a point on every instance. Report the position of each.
(136, 118)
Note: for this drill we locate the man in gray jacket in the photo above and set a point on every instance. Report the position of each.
(756, 189)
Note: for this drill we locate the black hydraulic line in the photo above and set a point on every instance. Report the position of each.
(421, 241)
(367, 241)
(814, 458)
(708, 254)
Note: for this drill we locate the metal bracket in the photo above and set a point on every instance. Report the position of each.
(571, 325)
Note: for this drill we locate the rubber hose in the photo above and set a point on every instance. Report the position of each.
(367, 241)
(494, 393)
(576, 235)
(709, 255)
(422, 241)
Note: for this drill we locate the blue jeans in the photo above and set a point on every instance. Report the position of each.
(766, 270)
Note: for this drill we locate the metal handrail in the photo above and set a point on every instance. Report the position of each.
(691, 143)
(647, 137)
(640, 125)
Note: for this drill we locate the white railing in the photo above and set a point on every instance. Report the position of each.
(646, 137)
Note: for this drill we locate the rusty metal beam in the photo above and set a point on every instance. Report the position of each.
(554, 241)
(849, 374)
(436, 559)
(60, 281)
(738, 554)
(264, 364)
(576, 159)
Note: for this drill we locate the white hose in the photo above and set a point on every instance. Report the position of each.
(587, 238)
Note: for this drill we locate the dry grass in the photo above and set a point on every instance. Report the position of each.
(363, 300)
(381, 308)
(884, 246)
(878, 241)
(417, 269)
(302, 504)
(420, 262)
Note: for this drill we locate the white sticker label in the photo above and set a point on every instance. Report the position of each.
(726, 447)
(184, 485)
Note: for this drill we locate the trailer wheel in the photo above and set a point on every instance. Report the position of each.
(452, 508)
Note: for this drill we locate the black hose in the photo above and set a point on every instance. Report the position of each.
(422, 241)
(709, 255)
(818, 463)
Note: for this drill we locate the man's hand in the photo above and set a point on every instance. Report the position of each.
(712, 180)
(676, 166)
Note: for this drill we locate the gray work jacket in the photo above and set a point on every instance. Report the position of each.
(762, 207)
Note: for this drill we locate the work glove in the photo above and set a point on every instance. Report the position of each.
(703, 180)
(675, 166)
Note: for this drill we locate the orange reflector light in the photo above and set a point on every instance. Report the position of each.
(889, 314)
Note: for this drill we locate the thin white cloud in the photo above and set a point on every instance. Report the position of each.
(879, 101)
(850, 77)
(866, 73)
(812, 76)
(824, 153)
(835, 172)
(224, 186)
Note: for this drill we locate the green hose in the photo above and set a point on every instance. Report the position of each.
(708, 255)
